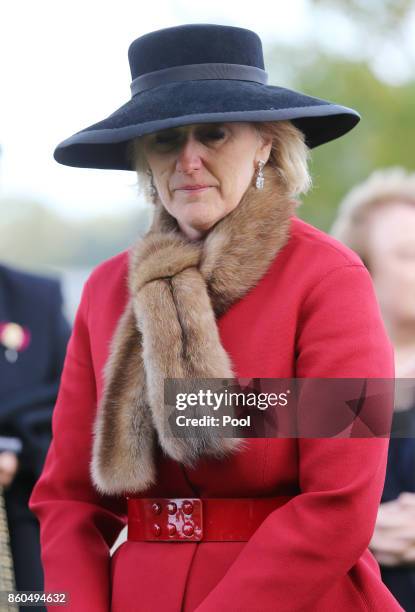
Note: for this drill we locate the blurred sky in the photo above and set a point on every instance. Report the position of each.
(64, 66)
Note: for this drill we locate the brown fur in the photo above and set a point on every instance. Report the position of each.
(178, 288)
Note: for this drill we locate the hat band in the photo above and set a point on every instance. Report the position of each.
(196, 72)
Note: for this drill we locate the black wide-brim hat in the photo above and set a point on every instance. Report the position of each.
(199, 73)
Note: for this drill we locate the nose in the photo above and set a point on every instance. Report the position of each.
(189, 157)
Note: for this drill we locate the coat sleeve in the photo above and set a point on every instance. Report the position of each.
(78, 526)
(301, 549)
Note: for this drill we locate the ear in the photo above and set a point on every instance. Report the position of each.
(264, 149)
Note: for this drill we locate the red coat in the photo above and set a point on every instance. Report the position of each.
(314, 314)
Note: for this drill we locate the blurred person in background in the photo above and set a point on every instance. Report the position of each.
(377, 220)
(33, 339)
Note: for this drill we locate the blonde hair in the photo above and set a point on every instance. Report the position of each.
(289, 158)
(381, 188)
(289, 155)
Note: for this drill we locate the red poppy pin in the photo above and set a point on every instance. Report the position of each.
(14, 338)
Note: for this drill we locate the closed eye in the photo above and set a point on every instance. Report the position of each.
(166, 138)
(175, 137)
(212, 134)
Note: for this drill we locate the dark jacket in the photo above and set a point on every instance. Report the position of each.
(400, 477)
(29, 386)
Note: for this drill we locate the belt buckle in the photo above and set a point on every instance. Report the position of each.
(174, 519)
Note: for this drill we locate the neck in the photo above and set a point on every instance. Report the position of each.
(193, 234)
(402, 335)
(401, 332)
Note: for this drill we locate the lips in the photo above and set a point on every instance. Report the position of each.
(192, 187)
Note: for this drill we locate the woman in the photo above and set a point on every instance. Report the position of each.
(228, 281)
(377, 220)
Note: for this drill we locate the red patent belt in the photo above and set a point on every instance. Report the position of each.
(190, 519)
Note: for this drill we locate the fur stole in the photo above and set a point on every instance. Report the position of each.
(178, 288)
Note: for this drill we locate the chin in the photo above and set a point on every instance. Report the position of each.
(201, 222)
(201, 227)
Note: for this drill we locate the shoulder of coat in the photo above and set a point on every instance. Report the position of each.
(317, 244)
(110, 268)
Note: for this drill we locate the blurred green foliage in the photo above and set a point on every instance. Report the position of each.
(384, 137)
(382, 15)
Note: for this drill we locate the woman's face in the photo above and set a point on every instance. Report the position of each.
(201, 171)
(391, 239)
